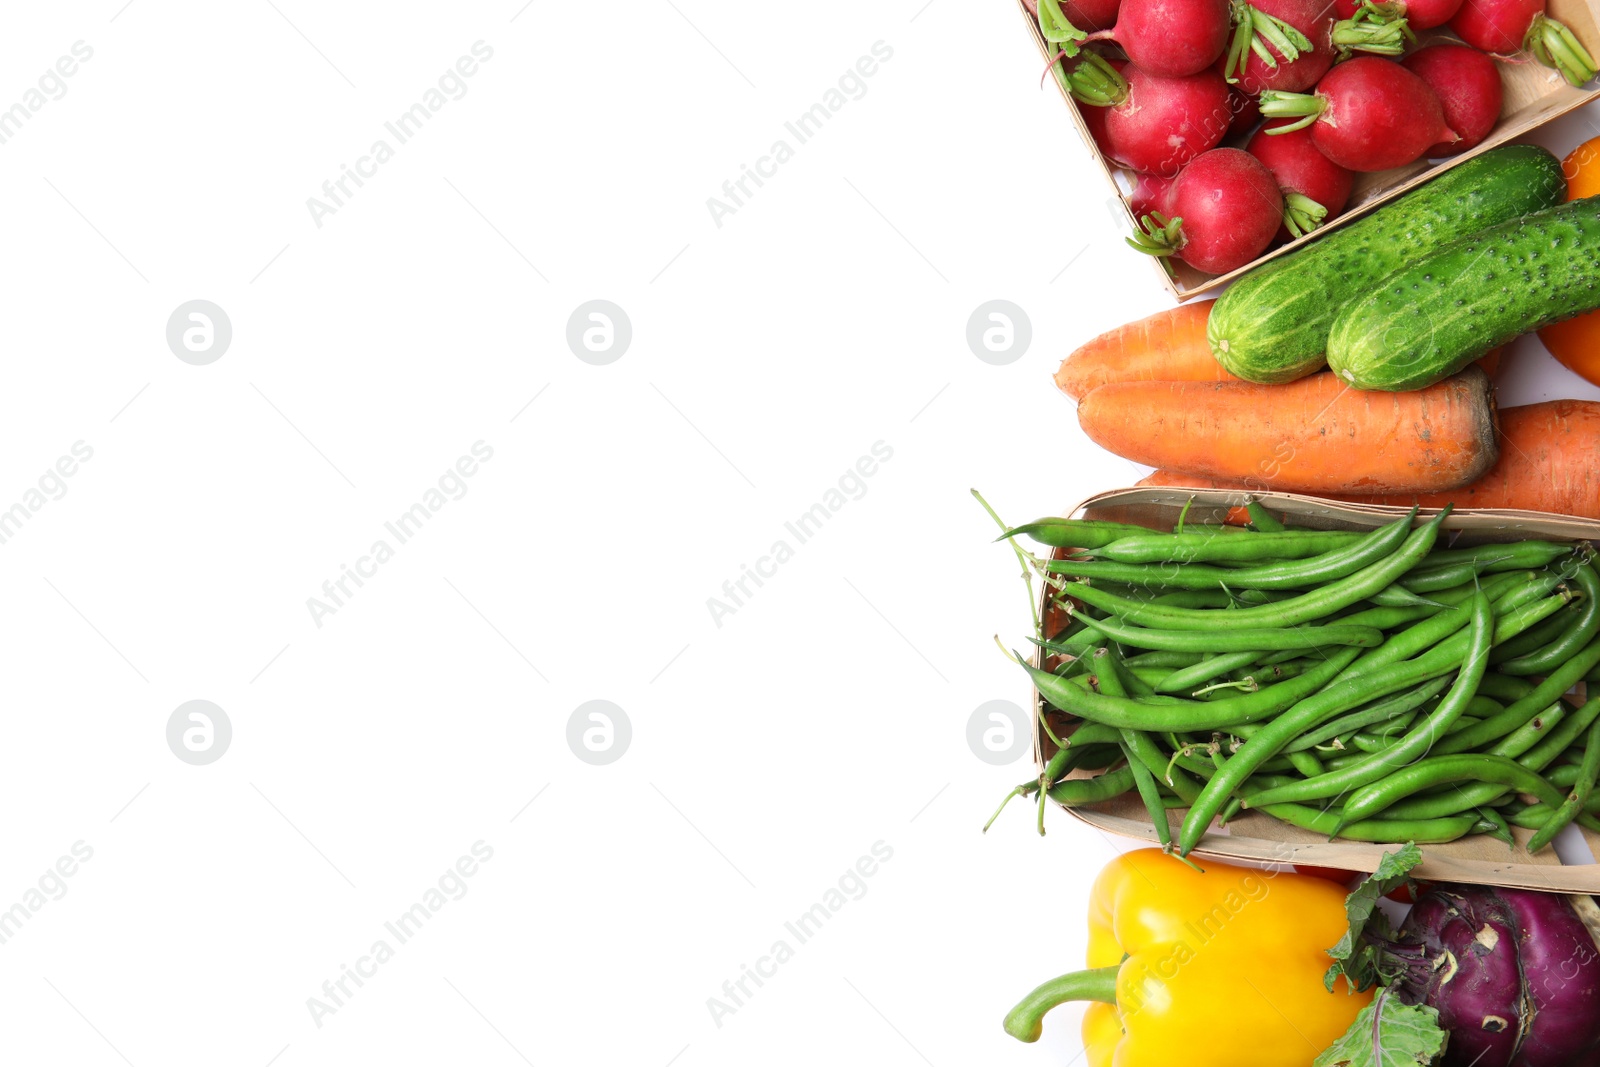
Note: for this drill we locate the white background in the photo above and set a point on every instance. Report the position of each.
(768, 754)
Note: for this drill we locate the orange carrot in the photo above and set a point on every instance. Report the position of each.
(1169, 346)
(1313, 435)
(1547, 463)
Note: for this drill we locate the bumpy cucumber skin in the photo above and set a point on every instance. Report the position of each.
(1272, 325)
(1427, 321)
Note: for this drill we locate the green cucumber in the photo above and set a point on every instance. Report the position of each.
(1272, 325)
(1426, 321)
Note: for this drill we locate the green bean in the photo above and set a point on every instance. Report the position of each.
(1128, 683)
(1164, 660)
(1422, 832)
(1112, 683)
(1183, 716)
(1237, 639)
(1202, 672)
(1074, 533)
(1532, 641)
(1264, 520)
(1092, 733)
(1420, 739)
(1495, 586)
(1519, 712)
(1097, 757)
(1482, 706)
(1300, 609)
(1145, 783)
(1493, 824)
(1080, 643)
(1529, 554)
(1148, 547)
(1306, 763)
(1079, 792)
(1573, 805)
(1426, 579)
(1395, 595)
(1576, 722)
(1398, 704)
(1481, 769)
(1531, 732)
(1150, 753)
(1534, 816)
(1378, 740)
(1385, 618)
(1502, 687)
(1568, 644)
(1564, 776)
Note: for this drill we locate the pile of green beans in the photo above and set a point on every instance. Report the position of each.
(1375, 686)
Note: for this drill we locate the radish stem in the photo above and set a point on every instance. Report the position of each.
(1301, 214)
(1554, 45)
(1276, 104)
(1380, 28)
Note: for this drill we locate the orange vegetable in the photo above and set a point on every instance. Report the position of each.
(1169, 346)
(1547, 463)
(1576, 342)
(1313, 435)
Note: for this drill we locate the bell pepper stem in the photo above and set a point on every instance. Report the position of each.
(1025, 1022)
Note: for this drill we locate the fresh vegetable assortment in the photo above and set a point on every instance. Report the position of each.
(1416, 682)
(1375, 686)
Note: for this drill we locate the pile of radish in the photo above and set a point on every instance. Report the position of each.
(1163, 84)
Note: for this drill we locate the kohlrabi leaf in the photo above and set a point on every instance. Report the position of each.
(1355, 957)
(1388, 1033)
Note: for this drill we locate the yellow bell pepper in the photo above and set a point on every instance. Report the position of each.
(1216, 969)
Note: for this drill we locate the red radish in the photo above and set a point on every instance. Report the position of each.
(1091, 15)
(1151, 195)
(1173, 38)
(1367, 114)
(1095, 119)
(1280, 44)
(1420, 14)
(1163, 122)
(1246, 112)
(1507, 26)
(1467, 83)
(1315, 189)
(1225, 207)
